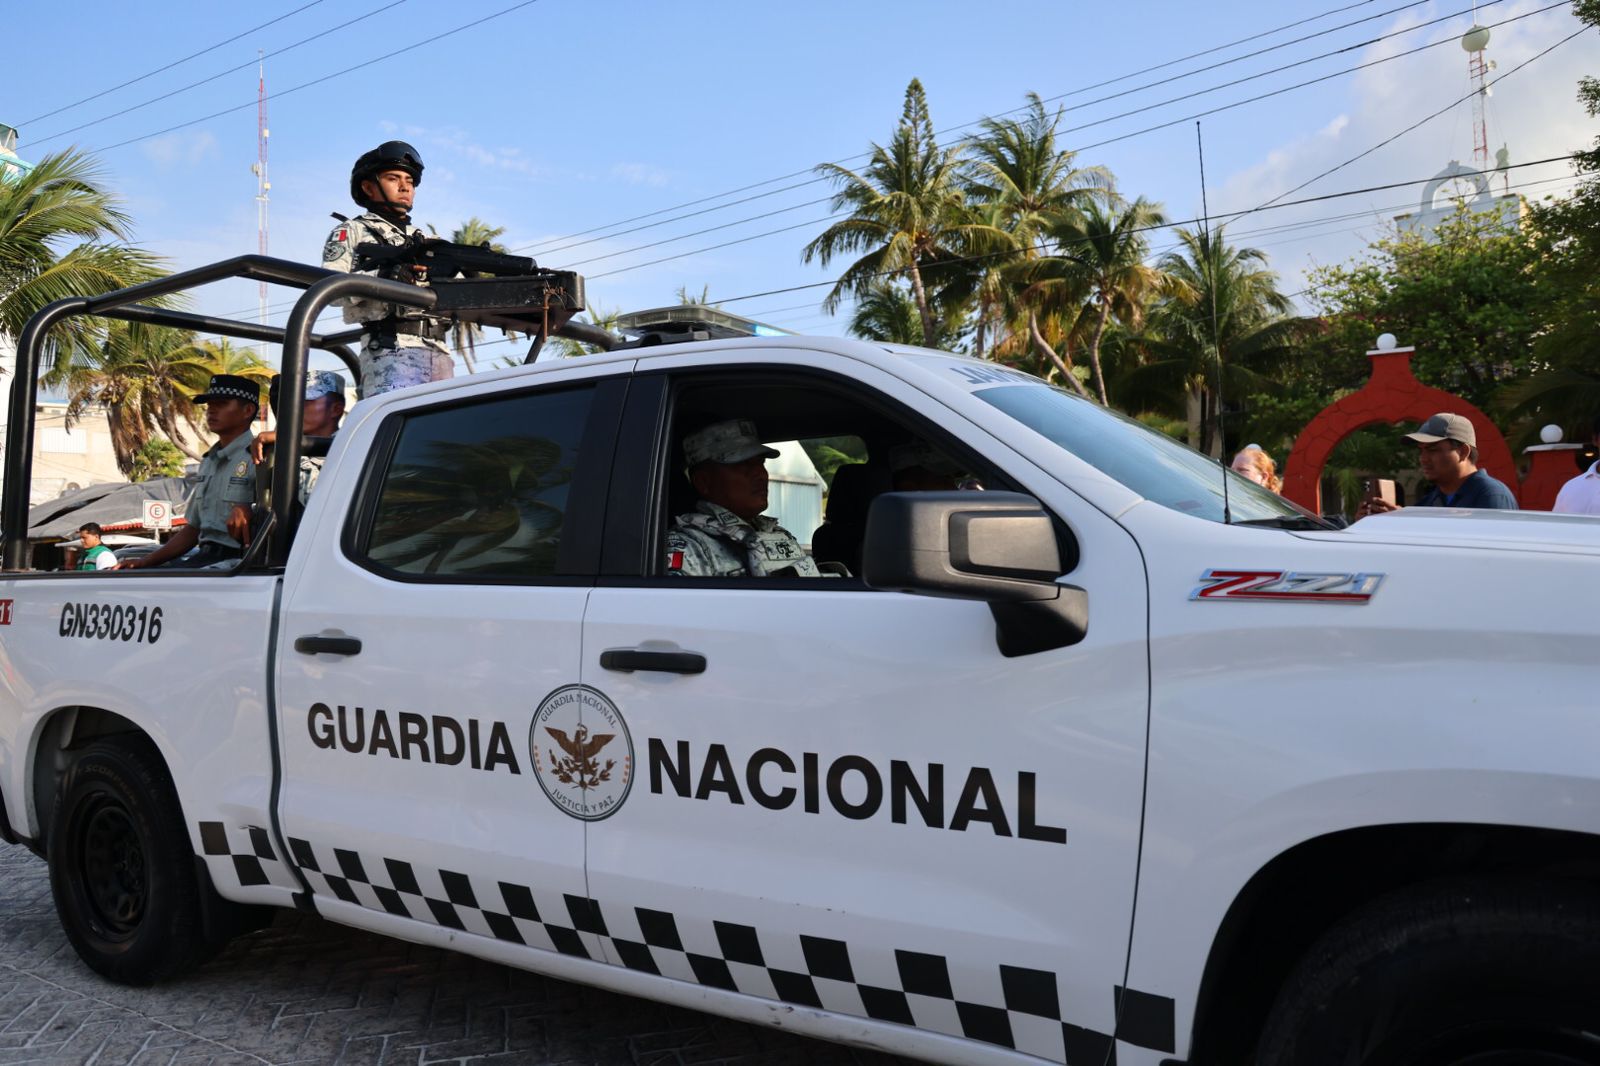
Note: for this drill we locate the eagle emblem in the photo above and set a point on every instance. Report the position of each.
(580, 767)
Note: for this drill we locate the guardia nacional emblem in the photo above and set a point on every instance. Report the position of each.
(581, 752)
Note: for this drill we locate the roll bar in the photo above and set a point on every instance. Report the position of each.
(322, 287)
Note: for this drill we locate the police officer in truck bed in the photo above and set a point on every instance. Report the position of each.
(218, 514)
(404, 345)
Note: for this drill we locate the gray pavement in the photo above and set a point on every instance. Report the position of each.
(307, 991)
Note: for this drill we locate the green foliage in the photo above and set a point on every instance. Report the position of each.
(63, 233)
(465, 336)
(1470, 301)
(907, 214)
(1565, 388)
(828, 454)
(156, 458)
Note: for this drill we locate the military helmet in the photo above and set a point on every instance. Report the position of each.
(390, 155)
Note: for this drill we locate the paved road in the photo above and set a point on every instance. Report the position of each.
(307, 991)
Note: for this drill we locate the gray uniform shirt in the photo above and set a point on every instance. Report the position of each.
(408, 359)
(227, 477)
(712, 541)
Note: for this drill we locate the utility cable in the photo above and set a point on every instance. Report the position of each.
(1143, 229)
(539, 245)
(169, 66)
(1148, 129)
(815, 180)
(863, 155)
(206, 81)
(1420, 122)
(431, 39)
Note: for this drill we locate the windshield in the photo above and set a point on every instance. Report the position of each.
(1150, 463)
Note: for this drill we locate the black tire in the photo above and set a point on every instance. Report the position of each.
(1471, 974)
(122, 869)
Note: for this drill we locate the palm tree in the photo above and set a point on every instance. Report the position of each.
(1223, 323)
(144, 378)
(703, 300)
(1017, 166)
(566, 347)
(1102, 252)
(59, 200)
(907, 213)
(1025, 183)
(887, 314)
(464, 336)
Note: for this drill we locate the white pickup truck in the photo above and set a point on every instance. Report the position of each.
(1101, 764)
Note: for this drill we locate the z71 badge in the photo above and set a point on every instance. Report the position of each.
(1280, 586)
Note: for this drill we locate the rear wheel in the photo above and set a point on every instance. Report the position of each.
(1477, 974)
(121, 865)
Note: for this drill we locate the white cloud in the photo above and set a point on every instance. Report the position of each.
(180, 149)
(640, 174)
(1534, 112)
(457, 145)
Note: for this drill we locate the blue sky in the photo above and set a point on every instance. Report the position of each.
(559, 117)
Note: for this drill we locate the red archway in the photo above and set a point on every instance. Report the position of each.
(1392, 394)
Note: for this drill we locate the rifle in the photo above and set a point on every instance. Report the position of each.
(441, 259)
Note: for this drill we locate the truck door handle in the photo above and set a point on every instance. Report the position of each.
(319, 645)
(627, 660)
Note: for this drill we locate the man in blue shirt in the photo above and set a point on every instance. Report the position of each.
(1447, 450)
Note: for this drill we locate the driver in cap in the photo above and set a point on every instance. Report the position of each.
(404, 346)
(726, 535)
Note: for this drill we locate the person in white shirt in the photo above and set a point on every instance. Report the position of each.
(1581, 495)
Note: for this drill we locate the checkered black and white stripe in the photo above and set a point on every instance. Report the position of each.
(1022, 1009)
(243, 855)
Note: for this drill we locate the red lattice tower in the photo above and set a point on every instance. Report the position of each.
(1475, 41)
(263, 186)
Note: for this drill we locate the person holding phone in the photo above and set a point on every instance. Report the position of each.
(1447, 451)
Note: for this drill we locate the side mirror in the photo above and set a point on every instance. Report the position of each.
(999, 547)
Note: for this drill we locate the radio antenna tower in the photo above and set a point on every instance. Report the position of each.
(263, 185)
(1475, 41)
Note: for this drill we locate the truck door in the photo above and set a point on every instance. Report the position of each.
(849, 799)
(435, 594)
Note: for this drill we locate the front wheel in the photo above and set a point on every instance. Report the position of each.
(121, 864)
(1475, 974)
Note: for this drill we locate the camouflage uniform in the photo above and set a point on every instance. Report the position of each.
(398, 360)
(712, 541)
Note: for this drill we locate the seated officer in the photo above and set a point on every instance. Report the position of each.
(323, 410)
(726, 535)
(918, 466)
(218, 514)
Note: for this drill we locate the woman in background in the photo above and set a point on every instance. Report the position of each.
(1258, 466)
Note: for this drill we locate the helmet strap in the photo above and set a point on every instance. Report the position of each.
(385, 207)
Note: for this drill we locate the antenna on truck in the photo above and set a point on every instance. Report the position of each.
(1216, 341)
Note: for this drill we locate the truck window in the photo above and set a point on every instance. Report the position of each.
(480, 489)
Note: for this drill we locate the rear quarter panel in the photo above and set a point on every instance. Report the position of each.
(197, 689)
(1464, 691)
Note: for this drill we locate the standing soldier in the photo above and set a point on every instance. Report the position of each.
(404, 345)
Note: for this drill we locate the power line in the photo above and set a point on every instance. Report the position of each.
(214, 77)
(1163, 125)
(431, 39)
(1143, 229)
(1084, 126)
(1423, 121)
(174, 63)
(1087, 88)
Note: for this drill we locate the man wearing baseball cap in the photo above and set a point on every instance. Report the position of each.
(217, 517)
(726, 535)
(1447, 451)
(323, 411)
